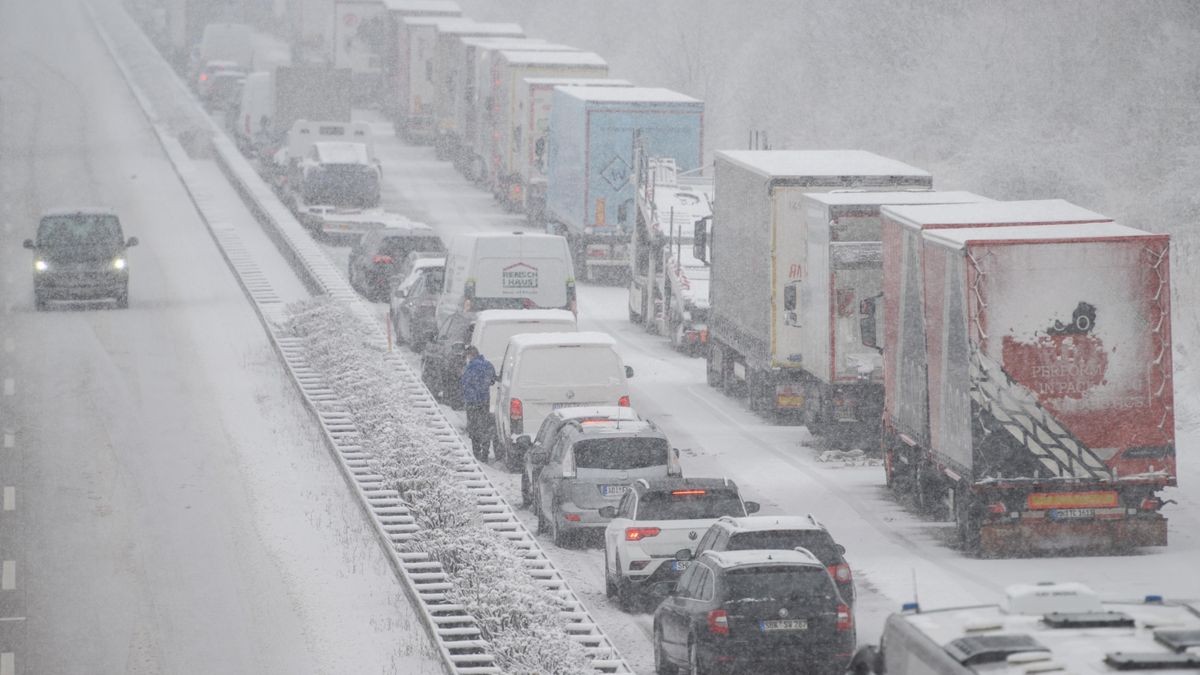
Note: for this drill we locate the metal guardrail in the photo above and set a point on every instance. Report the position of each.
(453, 630)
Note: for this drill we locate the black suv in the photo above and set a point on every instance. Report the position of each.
(781, 533)
(754, 612)
(79, 254)
(377, 256)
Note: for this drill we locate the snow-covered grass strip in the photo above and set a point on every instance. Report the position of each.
(522, 622)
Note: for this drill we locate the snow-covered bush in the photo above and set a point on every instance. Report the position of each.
(520, 620)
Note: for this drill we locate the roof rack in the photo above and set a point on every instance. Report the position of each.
(1151, 661)
(974, 650)
(1088, 620)
(1178, 640)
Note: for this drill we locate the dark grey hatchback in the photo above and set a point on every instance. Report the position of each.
(79, 254)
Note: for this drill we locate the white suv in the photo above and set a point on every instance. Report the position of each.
(656, 521)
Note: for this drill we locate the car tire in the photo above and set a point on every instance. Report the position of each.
(626, 598)
(39, 303)
(662, 666)
(543, 525)
(561, 538)
(123, 299)
(610, 586)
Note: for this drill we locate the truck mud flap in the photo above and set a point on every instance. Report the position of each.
(1030, 536)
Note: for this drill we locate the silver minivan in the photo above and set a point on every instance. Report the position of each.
(590, 465)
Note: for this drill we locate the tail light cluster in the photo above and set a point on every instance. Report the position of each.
(623, 401)
(640, 533)
(718, 622)
(516, 416)
(382, 260)
(840, 573)
(845, 620)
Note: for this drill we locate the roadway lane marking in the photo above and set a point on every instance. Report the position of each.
(10, 439)
(10, 498)
(10, 387)
(8, 664)
(8, 578)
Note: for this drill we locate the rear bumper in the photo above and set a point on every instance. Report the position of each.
(751, 656)
(1042, 534)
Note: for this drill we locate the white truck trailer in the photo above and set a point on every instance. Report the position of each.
(756, 250)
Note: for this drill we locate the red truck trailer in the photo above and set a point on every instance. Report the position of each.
(1027, 373)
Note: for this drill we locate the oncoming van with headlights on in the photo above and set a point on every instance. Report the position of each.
(79, 254)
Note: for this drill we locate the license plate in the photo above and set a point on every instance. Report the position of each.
(679, 565)
(613, 490)
(1071, 514)
(782, 624)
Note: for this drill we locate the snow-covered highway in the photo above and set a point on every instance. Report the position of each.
(172, 506)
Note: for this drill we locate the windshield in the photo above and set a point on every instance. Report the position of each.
(709, 504)
(80, 235)
(496, 334)
(819, 543)
(398, 247)
(353, 185)
(580, 365)
(781, 583)
(621, 453)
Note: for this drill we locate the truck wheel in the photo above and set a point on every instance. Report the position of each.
(967, 520)
(712, 365)
(39, 303)
(929, 491)
(526, 498)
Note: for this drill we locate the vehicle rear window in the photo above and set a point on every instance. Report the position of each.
(710, 504)
(578, 366)
(341, 185)
(780, 582)
(819, 543)
(75, 231)
(621, 453)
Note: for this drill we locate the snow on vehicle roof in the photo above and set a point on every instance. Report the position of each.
(683, 483)
(388, 219)
(628, 95)
(582, 338)
(612, 412)
(422, 6)
(579, 81)
(610, 427)
(763, 557)
(862, 197)
(961, 237)
(785, 163)
(525, 315)
(513, 42)
(341, 152)
(1066, 638)
(1036, 211)
(768, 523)
(435, 20)
(527, 57)
(470, 27)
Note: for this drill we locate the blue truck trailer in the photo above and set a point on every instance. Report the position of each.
(593, 134)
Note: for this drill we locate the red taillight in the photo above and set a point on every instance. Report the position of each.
(640, 533)
(840, 573)
(623, 401)
(204, 77)
(998, 508)
(718, 622)
(1151, 504)
(382, 260)
(515, 410)
(844, 619)
(684, 493)
(573, 517)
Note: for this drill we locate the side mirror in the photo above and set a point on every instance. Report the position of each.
(867, 328)
(752, 507)
(683, 554)
(539, 457)
(628, 372)
(523, 442)
(608, 512)
(700, 239)
(29, 244)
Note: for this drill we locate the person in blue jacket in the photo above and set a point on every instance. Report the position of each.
(477, 379)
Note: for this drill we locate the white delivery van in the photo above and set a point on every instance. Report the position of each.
(252, 124)
(494, 327)
(544, 371)
(507, 271)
